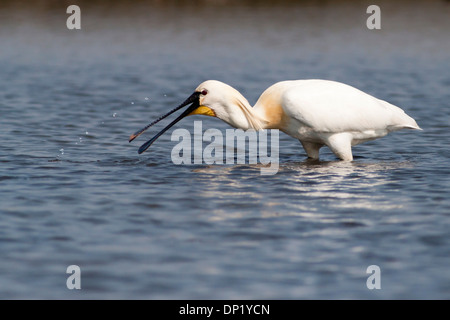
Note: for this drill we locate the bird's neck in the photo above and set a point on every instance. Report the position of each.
(243, 116)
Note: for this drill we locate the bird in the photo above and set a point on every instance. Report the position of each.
(317, 112)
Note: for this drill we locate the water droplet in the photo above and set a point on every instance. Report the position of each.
(87, 133)
(61, 150)
(165, 95)
(132, 102)
(114, 114)
(146, 98)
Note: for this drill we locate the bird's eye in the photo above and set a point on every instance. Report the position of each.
(204, 92)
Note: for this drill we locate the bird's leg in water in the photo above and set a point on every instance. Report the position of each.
(341, 145)
(312, 149)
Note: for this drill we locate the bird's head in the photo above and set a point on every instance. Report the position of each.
(220, 100)
(211, 98)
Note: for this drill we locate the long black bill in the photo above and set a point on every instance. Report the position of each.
(193, 100)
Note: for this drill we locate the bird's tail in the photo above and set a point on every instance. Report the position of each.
(410, 124)
(400, 120)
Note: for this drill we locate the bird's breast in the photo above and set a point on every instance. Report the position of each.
(274, 115)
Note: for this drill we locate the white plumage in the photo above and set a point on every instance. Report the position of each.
(316, 112)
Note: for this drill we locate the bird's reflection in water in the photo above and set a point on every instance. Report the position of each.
(315, 189)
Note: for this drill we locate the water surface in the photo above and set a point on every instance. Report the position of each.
(74, 191)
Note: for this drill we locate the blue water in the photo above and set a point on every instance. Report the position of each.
(73, 191)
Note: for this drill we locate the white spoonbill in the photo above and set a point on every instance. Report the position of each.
(316, 112)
